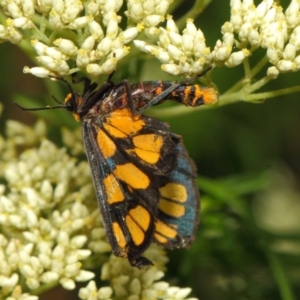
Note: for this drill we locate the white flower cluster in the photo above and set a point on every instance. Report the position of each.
(95, 41)
(44, 216)
(179, 54)
(250, 27)
(134, 284)
(266, 26)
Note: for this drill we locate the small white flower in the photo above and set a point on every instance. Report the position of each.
(82, 58)
(96, 30)
(285, 65)
(21, 22)
(14, 10)
(68, 283)
(66, 46)
(237, 58)
(81, 22)
(55, 21)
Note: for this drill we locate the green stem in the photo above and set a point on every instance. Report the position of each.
(272, 94)
(279, 275)
(258, 84)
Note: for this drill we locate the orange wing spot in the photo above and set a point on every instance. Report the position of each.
(160, 238)
(135, 231)
(114, 131)
(148, 147)
(141, 216)
(133, 176)
(106, 145)
(210, 95)
(164, 229)
(123, 120)
(118, 233)
(174, 191)
(170, 208)
(158, 90)
(187, 94)
(147, 156)
(112, 189)
(150, 142)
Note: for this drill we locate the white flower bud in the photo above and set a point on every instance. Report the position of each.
(227, 28)
(171, 69)
(112, 29)
(184, 68)
(190, 28)
(118, 54)
(31, 218)
(78, 241)
(27, 271)
(84, 275)
(285, 66)
(81, 22)
(92, 8)
(94, 69)
(47, 61)
(58, 6)
(32, 283)
(228, 39)
(135, 11)
(262, 9)
(162, 6)
(88, 44)
(72, 269)
(23, 23)
(175, 38)
(109, 66)
(164, 39)
(68, 283)
(222, 53)
(15, 36)
(49, 276)
(66, 46)
(236, 21)
(96, 30)
(174, 52)
(63, 238)
(289, 52)
(237, 58)
(14, 10)
(45, 260)
(55, 20)
(171, 25)
(28, 8)
(105, 292)
(71, 13)
(140, 45)
(188, 44)
(62, 69)
(128, 35)
(37, 71)
(162, 55)
(153, 20)
(104, 47)
(45, 5)
(152, 32)
(273, 55)
(254, 37)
